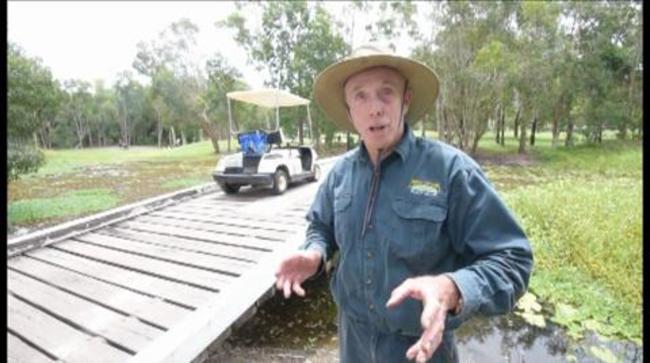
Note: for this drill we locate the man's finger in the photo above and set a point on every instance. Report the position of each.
(287, 289)
(298, 289)
(279, 283)
(398, 295)
(413, 351)
(421, 357)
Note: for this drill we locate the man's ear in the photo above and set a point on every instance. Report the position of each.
(408, 97)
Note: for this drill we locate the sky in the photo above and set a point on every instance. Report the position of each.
(97, 39)
(92, 40)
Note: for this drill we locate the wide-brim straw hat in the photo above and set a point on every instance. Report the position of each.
(328, 86)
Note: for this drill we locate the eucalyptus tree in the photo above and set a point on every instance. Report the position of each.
(168, 61)
(211, 101)
(608, 36)
(536, 51)
(295, 42)
(129, 107)
(470, 53)
(78, 108)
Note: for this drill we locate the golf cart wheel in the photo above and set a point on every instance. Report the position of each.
(316, 173)
(230, 188)
(280, 181)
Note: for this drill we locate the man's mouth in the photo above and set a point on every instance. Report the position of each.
(377, 128)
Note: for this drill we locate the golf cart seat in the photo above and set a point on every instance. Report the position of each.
(253, 143)
(275, 138)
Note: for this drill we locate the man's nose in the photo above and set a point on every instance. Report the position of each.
(376, 107)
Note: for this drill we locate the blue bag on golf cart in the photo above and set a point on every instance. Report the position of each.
(252, 143)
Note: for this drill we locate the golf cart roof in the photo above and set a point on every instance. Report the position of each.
(268, 97)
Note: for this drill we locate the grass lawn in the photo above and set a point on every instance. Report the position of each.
(581, 208)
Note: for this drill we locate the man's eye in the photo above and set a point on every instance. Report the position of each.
(387, 91)
(360, 96)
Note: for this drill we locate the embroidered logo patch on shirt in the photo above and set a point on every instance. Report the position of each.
(424, 187)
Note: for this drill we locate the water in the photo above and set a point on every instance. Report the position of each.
(304, 330)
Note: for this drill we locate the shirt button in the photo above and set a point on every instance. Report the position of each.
(369, 255)
(368, 282)
(370, 226)
(371, 307)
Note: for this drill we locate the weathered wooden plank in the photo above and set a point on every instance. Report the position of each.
(173, 271)
(214, 263)
(239, 215)
(277, 226)
(20, 352)
(120, 329)
(188, 338)
(250, 242)
(68, 229)
(155, 286)
(58, 338)
(220, 228)
(254, 209)
(149, 309)
(212, 248)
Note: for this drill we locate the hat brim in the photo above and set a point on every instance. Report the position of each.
(328, 86)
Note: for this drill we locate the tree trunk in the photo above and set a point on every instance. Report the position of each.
(522, 137)
(498, 125)
(80, 131)
(556, 118)
(516, 129)
(172, 136)
(533, 129)
(568, 142)
(159, 128)
(210, 129)
(503, 127)
(90, 138)
(183, 138)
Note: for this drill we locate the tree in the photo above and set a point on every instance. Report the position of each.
(168, 62)
(31, 95)
(211, 99)
(295, 42)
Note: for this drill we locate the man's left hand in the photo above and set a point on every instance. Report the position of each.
(438, 294)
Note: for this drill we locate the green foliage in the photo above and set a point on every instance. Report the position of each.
(530, 310)
(31, 92)
(583, 217)
(22, 159)
(71, 204)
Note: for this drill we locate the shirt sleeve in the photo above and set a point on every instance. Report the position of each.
(494, 251)
(320, 230)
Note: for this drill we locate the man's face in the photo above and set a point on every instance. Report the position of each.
(374, 97)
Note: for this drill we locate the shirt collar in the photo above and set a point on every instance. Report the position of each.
(402, 148)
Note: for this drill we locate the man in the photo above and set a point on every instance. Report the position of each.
(423, 239)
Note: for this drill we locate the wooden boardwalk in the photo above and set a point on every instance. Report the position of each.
(156, 282)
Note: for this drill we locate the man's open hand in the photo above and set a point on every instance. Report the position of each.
(294, 269)
(438, 294)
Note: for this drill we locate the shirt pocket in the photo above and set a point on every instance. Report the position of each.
(418, 226)
(342, 218)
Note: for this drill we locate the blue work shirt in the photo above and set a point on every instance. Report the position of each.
(427, 209)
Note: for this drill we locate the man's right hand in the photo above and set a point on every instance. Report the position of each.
(294, 269)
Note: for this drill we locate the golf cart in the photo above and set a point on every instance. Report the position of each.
(264, 158)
